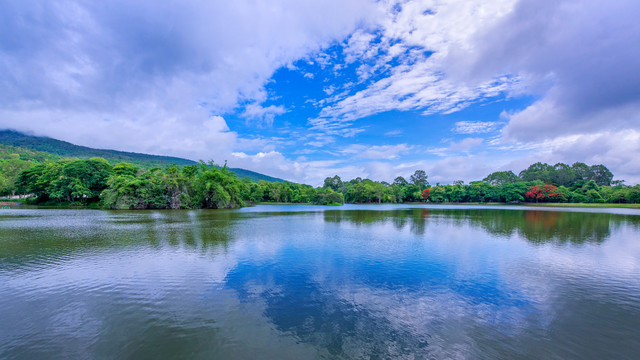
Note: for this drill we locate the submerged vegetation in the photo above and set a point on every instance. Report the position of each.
(49, 179)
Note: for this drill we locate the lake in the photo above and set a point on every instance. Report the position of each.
(312, 282)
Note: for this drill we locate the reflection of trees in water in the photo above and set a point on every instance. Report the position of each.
(536, 226)
(401, 218)
(58, 235)
(563, 227)
(200, 230)
(550, 226)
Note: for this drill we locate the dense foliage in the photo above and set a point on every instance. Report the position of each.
(47, 149)
(13, 160)
(545, 192)
(127, 186)
(578, 183)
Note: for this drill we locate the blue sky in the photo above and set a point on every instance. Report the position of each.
(308, 89)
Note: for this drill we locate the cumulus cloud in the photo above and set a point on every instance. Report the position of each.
(465, 144)
(302, 170)
(192, 134)
(411, 52)
(134, 68)
(618, 150)
(161, 78)
(264, 115)
(575, 55)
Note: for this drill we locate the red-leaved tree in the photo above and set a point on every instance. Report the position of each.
(425, 193)
(544, 193)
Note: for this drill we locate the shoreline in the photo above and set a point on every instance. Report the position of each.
(92, 206)
(569, 205)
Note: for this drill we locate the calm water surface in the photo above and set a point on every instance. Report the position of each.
(304, 282)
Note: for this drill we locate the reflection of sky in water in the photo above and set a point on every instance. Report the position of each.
(369, 280)
(321, 282)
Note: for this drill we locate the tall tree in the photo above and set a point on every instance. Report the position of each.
(538, 171)
(582, 171)
(601, 175)
(400, 181)
(501, 178)
(419, 178)
(334, 183)
(562, 175)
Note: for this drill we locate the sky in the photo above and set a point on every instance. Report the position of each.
(305, 89)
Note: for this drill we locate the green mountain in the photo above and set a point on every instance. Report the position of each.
(66, 149)
(8, 152)
(254, 176)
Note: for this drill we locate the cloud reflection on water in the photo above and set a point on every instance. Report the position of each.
(394, 282)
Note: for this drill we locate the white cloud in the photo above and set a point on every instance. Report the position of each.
(303, 171)
(393, 133)
(574, 56)
(618, 150)
(419, 37)
(263, 114)
(387, 152)
(138, 76)
(359, 46)
(465, 145)
(474, 127)
(193, 134)
(144, 77)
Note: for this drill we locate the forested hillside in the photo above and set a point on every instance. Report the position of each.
(21, 143)
(66, 149)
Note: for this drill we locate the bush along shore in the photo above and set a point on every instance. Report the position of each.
(95, 182)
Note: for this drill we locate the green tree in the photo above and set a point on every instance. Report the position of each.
(124, 168)
(10, 170)
(334, 183)
(538, 171)
(512, 192)
(501, 178)
(582, 173)
(563, 175)
(419, 179)
(601, 175)
(400, 181)
(218, 188)
(437, 194)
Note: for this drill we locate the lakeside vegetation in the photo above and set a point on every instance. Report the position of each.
(38, 148)
(50, 180)
(539, 183)
(127, 186)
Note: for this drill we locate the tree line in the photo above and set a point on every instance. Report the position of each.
(207, 185)
(126, 186)
(540, 182)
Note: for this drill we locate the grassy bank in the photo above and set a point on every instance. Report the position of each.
(572, 205)
(289, 203)
(583, 205)
(280, 203)
(23, 201)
